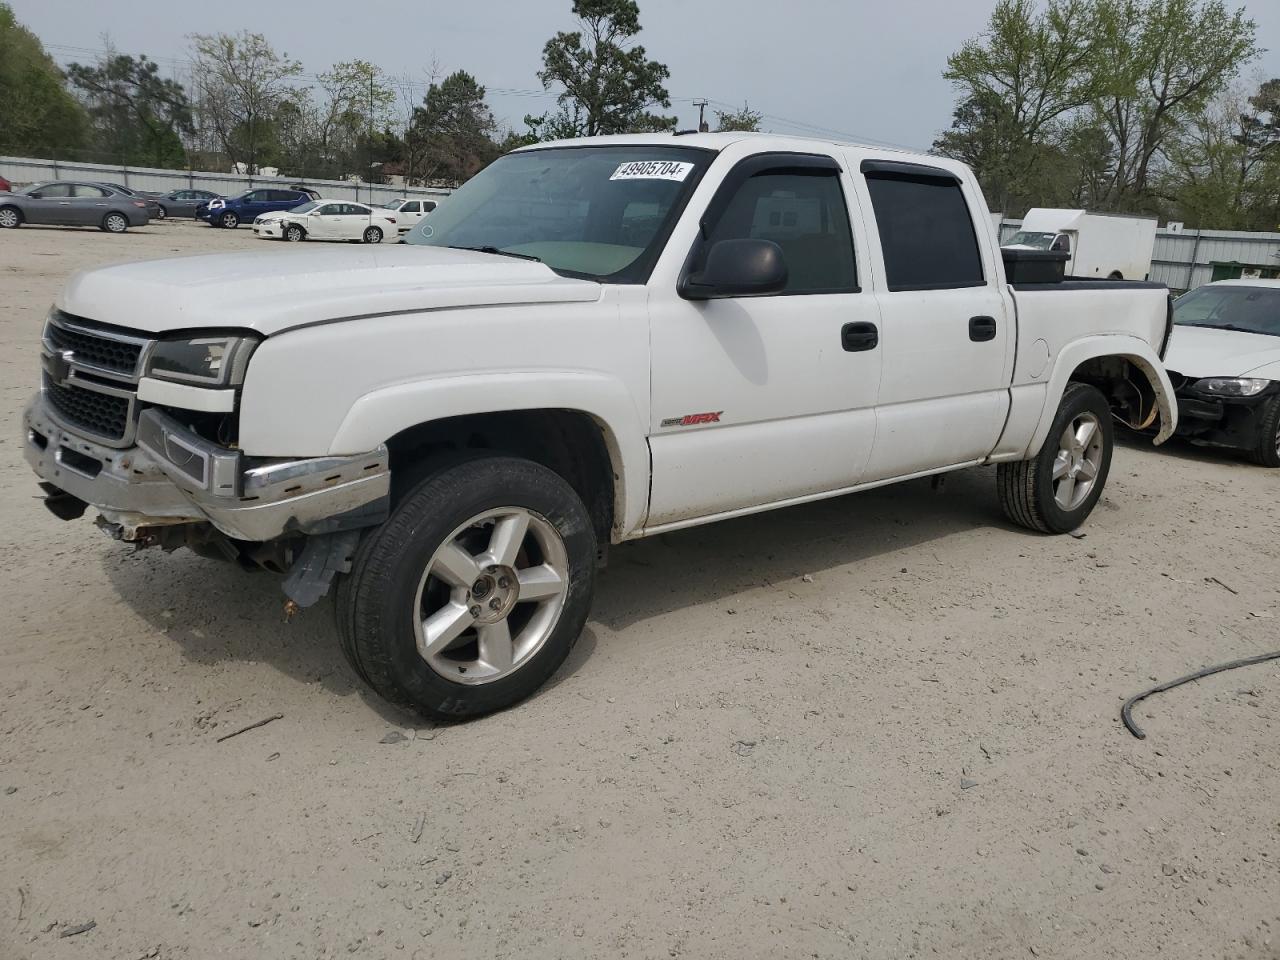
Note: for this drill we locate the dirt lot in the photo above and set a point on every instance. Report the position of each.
(880, 726)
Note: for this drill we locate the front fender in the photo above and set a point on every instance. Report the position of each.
(382, 413)
(1136, 351)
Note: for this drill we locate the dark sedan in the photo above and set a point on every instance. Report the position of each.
(154, 210)
(73, 204)
(183, 203)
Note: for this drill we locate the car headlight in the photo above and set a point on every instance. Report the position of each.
(1231, 386)
(211, 361)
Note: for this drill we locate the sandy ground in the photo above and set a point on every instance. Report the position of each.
(880, 726)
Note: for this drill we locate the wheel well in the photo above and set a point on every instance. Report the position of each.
(567, 441)
(1126, 384)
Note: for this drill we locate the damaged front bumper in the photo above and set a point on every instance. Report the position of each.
(173, 476)
(1229, 422)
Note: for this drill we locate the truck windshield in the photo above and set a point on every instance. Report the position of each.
(1250, 309)
(597, 212)
(1037, 241)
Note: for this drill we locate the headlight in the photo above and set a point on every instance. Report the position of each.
(213, 361)
(1231, 386)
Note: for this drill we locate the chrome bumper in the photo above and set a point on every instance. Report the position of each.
(174, 476)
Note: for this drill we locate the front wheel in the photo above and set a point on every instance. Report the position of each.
(10, 218)
(1056, 490)
(1266, 450)
(471, 595)
(373, 235)
(229, 220)
(294, 233)
(162, 214)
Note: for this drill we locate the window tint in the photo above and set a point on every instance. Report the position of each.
(428, 206)
(926, 233)
(803, 213)
(88, 190)
(413, 206)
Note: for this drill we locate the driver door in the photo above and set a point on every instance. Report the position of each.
(761, 400)
(50, 205)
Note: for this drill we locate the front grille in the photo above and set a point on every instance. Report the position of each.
(119, 356)
(99, 414)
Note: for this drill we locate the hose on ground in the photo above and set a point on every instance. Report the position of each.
(1126, 712)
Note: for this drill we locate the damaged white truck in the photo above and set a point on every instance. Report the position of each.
(591, 341)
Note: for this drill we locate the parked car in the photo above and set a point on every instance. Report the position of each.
(409, 212)
(183, 203)
(328, 220)
(154, 210)
(248, 206)
(592, 341)
(1106, 246)
(1224, 362)
(5, 186)
(311, 194)
(72, 203)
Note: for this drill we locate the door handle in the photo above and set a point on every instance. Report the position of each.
(856, 337)
(982, 329)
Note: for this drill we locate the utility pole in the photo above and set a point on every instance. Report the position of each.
(703, 126)
(371, 136)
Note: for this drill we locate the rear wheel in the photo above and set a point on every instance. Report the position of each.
(294, 233)
(373, 235)
(1056, 490)
(229, 220)
(115, 223)
(163, 213)
(473, 592)
(10, 218)
(1267, 449)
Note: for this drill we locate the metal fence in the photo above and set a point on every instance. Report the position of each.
(28, 170)
(1186, 259)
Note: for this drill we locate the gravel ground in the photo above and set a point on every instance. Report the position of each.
(884, 725)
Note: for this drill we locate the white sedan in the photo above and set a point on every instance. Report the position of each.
(328, 220)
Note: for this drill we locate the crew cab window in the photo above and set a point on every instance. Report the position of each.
(413, 206)
(803, 211)
(428, 206)
(926, 232)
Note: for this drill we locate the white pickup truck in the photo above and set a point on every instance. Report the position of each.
(591, 341)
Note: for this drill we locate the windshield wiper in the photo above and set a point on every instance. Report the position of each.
(501, 253)
(1230, 326)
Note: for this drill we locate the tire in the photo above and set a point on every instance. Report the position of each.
(373, 235)
(1030, 493)
(229, 220)
(1267, 449)
(163, 214)
(294, 233)
(1116, 275)
(415, 568)
(115, 223)
(10, 218)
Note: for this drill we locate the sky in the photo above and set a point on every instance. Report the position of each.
(859, 70)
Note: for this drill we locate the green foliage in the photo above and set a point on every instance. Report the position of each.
(745, 119)
(38, 116)
(451, 135)
(240, 82)
(608, 84)
(1087, 99)
(137, 116)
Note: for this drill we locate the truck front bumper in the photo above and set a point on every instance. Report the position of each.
(173, 476)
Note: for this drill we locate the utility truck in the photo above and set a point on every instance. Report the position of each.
(591, 341)
(1098, 245)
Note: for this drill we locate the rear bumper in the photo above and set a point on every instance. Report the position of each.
(174, 476)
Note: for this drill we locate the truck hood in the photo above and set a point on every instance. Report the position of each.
(1209, 352)
(275, 290)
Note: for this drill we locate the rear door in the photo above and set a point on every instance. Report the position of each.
(89, 204)
(948, 329)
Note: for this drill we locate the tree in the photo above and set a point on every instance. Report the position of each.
(137, 115)
(451, 136)
(608, 84)
(1161, 63)
(38, 116)
(240, 81)
(745, 119)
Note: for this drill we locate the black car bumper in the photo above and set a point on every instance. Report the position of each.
(1222, 421)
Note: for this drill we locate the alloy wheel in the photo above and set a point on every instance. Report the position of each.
(491, 595)
(1075, 469)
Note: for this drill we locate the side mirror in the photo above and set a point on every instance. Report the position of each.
(738, 268)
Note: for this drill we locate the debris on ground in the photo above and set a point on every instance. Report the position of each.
(395, 736)
(78, 929)
(252, 726)
(1126, 711)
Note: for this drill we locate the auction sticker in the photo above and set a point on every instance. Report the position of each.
(652, 170)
